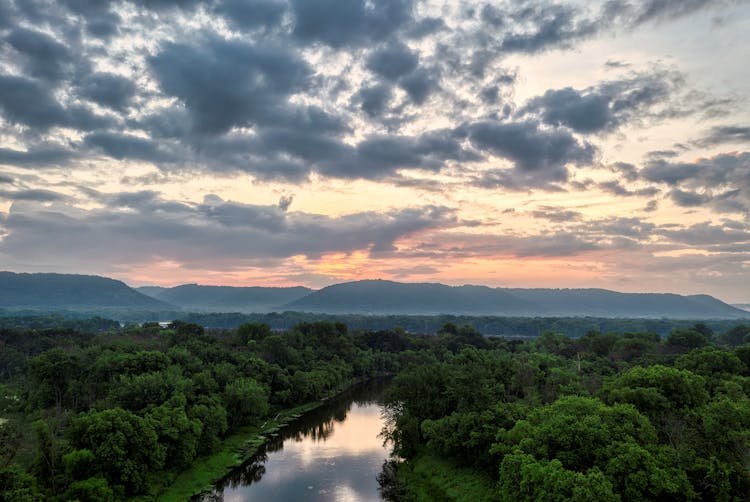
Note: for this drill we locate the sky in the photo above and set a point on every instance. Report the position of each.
(281, 142)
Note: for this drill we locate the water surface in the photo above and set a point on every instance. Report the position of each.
(331, 454)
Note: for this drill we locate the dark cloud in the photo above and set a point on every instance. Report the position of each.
(6, 180)
(556, 214)
(36, 195)
(392, 61)
(38, 156)
(380, 156)
(127, 146)
(209, 233)
(662, 171)
(545, 26)
(25, 101)
(420, 83)
(374, 100)
(721, 182)
(285, 201)
(605, 106)
(707, 234)
(634, 13)
(108, 90)
(42, 55)
(226, 83)
(687, 199)
(248, 14)
(530, 148)
(350, 23)
(28, 102)
(616, 188)
(725, 134)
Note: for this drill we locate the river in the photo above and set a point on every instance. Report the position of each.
(333, 453)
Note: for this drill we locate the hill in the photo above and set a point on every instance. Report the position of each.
(226, 298)
(71, 292)
(387, 297)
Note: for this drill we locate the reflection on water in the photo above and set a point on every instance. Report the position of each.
(332, 453)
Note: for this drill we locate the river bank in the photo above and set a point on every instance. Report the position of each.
(235, 450)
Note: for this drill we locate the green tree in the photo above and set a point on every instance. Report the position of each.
(125, 445)
(246, 400)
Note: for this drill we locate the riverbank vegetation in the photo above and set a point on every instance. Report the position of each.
(156, 413)
(113, 415)
(604, 417)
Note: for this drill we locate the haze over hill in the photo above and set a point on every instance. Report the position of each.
(71, 291)
(384, 297)
(85, 293)
(226, 298)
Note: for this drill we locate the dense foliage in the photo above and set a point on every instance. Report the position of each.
(107, 415)
(602, 417)
(102, 416)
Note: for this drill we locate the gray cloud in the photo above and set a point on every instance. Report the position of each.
(42, 55)
(539, 156)
(374, 100)
(606, 106)
(226, 83)
(127, 146)
(392, 61)
(725, 134)
(354, 22)
(616, 188)
(721, 182)
(249, 14)
(25, 101)
(37, 195)
(38, 156)
(207, 233)
(108, 90)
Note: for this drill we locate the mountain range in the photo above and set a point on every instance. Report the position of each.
(369, 297)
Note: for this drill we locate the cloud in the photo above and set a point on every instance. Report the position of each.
(351, 23)
(556, 214)
(127, 146)
(38, 156)
(42, 55)
(36, 195)
(725, 134)
(643, 11)
(392, 61)
(374, 100)
(540, 26)
(616, 188)
(249, 14)
(605, 106)
(539, 156)
(108, 90)
(208, 233)
(720, 182)
(27, 102)
(226, 83)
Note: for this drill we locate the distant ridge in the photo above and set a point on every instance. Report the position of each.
(226, 298)
(54, 292)
(70, 291)
(388, 297)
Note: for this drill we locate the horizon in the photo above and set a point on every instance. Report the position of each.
(276, 143)
(314, 289)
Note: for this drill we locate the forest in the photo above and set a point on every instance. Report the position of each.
(102, 412)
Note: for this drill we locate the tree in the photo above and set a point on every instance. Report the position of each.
(245, 400)
(125, 446)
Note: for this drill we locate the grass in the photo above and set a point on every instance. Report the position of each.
(430, 478)
(233, 452)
